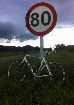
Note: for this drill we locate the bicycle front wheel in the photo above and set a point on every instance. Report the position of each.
(57, 70)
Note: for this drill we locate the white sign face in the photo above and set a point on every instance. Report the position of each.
(41, 19)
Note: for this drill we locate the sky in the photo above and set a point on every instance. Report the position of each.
(13, 31)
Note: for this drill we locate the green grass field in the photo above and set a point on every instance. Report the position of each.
(37, 91)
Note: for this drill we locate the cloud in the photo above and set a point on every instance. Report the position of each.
(6, 30)
(25, 36)
(65, 11)
(9, 31)
(12, 13)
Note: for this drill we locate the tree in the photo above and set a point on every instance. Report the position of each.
(60, 47)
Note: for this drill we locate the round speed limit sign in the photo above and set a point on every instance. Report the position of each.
(41, 19)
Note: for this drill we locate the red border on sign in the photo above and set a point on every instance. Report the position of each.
(52, 25)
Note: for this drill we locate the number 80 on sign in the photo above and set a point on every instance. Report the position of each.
(41, 19)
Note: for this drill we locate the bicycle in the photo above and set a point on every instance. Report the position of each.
(23, 68)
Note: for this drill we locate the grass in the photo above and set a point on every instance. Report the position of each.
(38, 91)
(5, 54)
(34, 92)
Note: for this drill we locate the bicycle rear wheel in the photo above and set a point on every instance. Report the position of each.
(16, 70)
(19, 71)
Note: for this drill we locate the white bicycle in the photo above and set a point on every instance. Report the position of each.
(31, 66)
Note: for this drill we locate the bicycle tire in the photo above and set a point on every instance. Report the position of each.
(19, 71)
(16, 70)
(57, 70)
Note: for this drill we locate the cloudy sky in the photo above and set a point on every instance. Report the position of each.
(13, 29)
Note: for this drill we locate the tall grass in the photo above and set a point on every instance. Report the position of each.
(39, 91)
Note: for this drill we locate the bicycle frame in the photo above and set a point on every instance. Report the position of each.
(40, 68)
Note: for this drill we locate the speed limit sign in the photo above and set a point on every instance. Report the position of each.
(41, 19)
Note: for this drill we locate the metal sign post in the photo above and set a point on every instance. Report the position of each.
(41, 47)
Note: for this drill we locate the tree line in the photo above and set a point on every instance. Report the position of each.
(26, 48)
(64, 48)
(58, 48)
